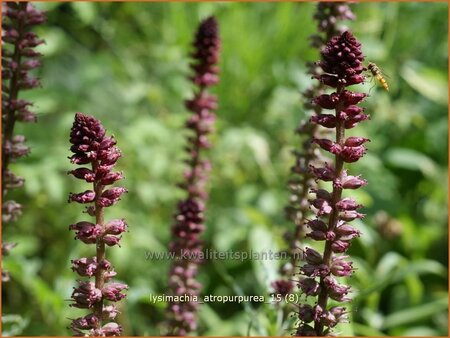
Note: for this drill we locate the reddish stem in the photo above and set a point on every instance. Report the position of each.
(13, 95)
(100, 247)
(334, 216)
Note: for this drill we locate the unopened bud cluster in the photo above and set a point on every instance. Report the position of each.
(18, 59)
(98, 154)
(328, 15)
(189, 220)
(342, 66)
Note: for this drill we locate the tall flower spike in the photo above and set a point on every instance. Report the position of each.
(328, 16)
(92, 148)
(342, 66)
(18, 59)
(189, 220)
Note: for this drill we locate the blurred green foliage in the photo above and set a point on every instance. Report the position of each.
(127, 64)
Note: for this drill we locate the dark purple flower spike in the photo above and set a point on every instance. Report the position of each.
(97, 154)
(328, 16)
(189, 220)
(18, 59)
(342, 66)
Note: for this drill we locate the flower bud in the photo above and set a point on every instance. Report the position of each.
(305, 330)
(109, 156)
(322, 193)
(116, 227)
(329, 319)
(85, 267)
(350, 111)
(80, 159)
(86, 232)
(327, 101)
(314, 270)
(339, 313)
(346, 232)
(325, 174)
(347, 204)
(351, 98)
(85, 323)
(110, 196)
(328, 145)
(349, 182)
(83, 173)
(317, 235)
(355, 141)
(354, 120)
(340, 267)
(11, 211)
(312, 256)
(352, 154)
(84, 197)
(110, 312)
(336, 291)
(112, 291)
(111, 177)
(317, 225)
(309, 286)
(306, 313)
(111, 240)
(350, 215)
(86, 295)
(282, 287)
(325, 120)
(323, 206)
(107, 143)
(339, 246)
(108, 330)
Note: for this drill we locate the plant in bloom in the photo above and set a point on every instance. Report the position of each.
(328, 16)
(342, 66)
(97, 155)
(189, 219)
(18, 59)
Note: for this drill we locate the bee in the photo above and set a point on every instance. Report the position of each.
(376, 72)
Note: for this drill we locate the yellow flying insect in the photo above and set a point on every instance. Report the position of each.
(376, 72)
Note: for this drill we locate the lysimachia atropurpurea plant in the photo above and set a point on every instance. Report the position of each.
(342, 66)
(328, 15)
(19, 57)
(189, 219)
(97, 154)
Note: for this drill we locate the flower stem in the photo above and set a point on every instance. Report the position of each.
(100, 248)
(334, 216)
(13, 95)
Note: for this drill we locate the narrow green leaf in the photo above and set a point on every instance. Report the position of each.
(430, 82)
(412, 160)
(364, 330)
(416, 313)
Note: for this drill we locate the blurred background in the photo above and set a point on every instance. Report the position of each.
(127, 64)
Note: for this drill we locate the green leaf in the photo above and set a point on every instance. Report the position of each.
(364, 330)
(388, 264)
(420, 331)
(416, 313)
(262, 243)
(393, 269)
(86, 11)
(430, 82)
(412, 160)
(13, 325)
